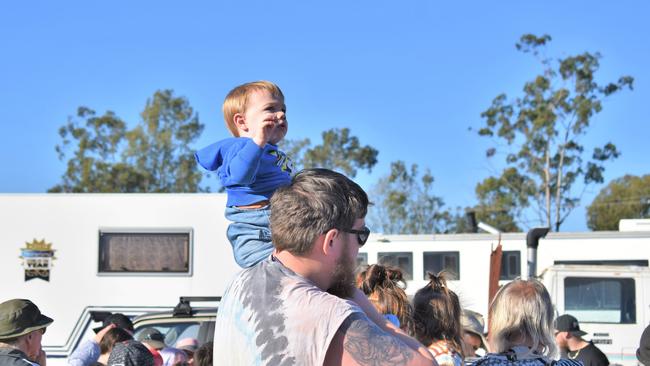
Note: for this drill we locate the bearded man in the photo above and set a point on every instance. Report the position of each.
(301, 307)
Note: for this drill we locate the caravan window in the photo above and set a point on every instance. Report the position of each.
(403, 260)
(144, 252)
(600, 300)
(510, 265)
(435, 262)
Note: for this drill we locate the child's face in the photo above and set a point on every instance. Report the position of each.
(263, 108)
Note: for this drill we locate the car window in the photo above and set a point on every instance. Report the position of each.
(174, 332)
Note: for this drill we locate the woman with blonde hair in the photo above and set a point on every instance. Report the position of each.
(384, 287)
(436, 321)
(521, 327)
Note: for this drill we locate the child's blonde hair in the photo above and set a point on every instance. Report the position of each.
(236, 101)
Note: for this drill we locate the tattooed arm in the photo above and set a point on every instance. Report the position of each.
(361, 342)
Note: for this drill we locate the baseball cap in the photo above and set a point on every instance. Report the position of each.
(120, 320)
(568, 323)
(19, 317)
(152, 337)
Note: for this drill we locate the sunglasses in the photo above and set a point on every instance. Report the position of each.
(362, 235)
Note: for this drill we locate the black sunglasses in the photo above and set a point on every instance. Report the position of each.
(362, 235)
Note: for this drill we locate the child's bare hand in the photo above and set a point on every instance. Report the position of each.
(264, 132)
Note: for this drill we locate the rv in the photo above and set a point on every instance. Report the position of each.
(77, 255)
(602, 278)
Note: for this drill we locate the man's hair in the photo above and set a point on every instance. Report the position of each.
(237, 100)
(316, 201)
(436, 313)
(522, 310)
(113, 336)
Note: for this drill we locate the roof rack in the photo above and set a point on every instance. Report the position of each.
(184, 309)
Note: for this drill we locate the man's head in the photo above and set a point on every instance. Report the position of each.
(522, 313)
(567, 328)
(248, 105)
(320, 203)
(316, 201)
(151, 337)
(22, 325)
(120, 320)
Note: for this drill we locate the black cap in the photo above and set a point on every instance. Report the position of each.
(152, 337)
(120, 320)
(568, 323)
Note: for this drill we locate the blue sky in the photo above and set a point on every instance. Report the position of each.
(408, 78)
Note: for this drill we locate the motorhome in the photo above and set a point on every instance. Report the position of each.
(78, 254)
(602, 278)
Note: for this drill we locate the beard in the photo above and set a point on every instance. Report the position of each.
(343, 279)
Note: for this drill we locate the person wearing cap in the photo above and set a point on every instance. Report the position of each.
(89, 350)
(568, 337)
(189, 346)
(473, 338)
(21, 330)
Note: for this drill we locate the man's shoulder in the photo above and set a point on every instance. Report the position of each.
(593, 355)
(14, 357)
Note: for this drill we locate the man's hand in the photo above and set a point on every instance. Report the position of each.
(41, 359)
(98, 337)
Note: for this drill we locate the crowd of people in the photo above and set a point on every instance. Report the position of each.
(22, 326)
(298, 299)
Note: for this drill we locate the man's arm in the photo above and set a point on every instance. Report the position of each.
(360, 341)
(371, 312)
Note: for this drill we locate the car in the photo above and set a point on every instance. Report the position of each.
(184, 321)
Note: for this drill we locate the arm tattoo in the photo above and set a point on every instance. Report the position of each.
(369, 345)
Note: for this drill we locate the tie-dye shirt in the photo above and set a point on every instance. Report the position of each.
(270, 315)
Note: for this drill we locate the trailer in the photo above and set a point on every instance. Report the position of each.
(602, 278)
(75, 255)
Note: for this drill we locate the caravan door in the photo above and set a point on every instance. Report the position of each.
(608, 303)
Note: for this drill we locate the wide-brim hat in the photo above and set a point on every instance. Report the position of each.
(474, 323)
(19, 317)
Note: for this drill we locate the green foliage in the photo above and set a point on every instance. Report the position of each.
(502, 199)
(627, 197)
(339, 151)
(542, 131)
(404, 204)
(154, 156)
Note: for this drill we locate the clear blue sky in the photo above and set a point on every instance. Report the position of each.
(408, 78)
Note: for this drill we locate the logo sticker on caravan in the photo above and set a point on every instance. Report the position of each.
(37, 259)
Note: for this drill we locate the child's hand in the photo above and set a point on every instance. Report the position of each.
(264, 132)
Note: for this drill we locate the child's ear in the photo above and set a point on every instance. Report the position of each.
(240, 122)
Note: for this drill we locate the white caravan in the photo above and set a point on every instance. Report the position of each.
(76, 253)
(602, 278)
(73, 254)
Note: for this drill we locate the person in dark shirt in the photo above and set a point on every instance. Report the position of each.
(568, 337)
